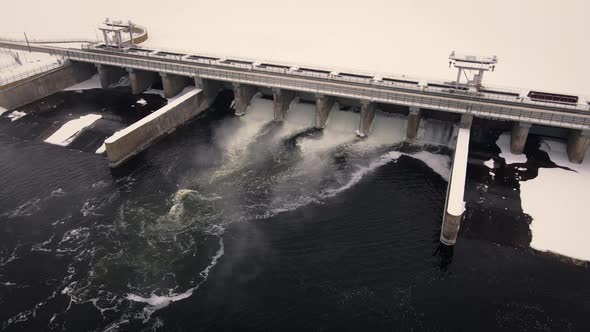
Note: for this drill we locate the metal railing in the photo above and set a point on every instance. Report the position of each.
(361, 89)
(342, 75)
(478, 104)
(9, 76)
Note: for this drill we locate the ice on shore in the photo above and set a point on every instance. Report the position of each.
(71, 129)
(557, 201)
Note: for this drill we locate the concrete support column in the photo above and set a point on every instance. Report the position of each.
(520, 132)
(282, 99)
(413, 124)
(466, 121)
(577, 145)
(140, 80)
(109, 75)
(456, 190)
(368, 110)
(450, 228)
(210, 90)
(242, 95)
(173, 84)
(323, 106)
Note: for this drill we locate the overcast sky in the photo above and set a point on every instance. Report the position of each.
(540, 44)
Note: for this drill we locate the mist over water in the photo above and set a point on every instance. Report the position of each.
(235, 222)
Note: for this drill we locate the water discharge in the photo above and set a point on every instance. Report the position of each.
(249, 168)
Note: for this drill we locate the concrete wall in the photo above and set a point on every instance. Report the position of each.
(137, 137)
(41, 86)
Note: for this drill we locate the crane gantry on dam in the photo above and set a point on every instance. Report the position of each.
(462, 100)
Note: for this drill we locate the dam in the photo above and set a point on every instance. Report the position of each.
(461, 102)
(160, 195)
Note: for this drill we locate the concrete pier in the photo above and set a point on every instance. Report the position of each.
(282, 99)
(243, 93)
(173, 84)
(137, 137)
(456, 189)
(323, 106)
(413, 124)
(109, 75)
(368, 110)
(210, 90)
(28, 90)
(577, 145)
(140, 80)
(519, 134)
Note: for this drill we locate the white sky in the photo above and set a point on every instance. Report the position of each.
(541, 44)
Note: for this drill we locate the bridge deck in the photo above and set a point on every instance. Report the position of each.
(392, 91)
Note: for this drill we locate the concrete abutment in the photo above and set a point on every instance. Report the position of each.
(518, 136)
(454, 206)
(40, 86)
(243, 93)
(413, 124)
(109, 75)
(173, 84)
(323, 106)
(577, 145)
(140, 80)
(368, 110)
(282, 98)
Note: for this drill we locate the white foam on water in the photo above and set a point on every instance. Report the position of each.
(59, 192)
(362, 171)
(71, 129)
(489, 163)
(557, 201)
(15, 115)
(439, 163)
(156, 302)
(26, 209)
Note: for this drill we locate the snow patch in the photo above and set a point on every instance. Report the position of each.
(557, 201)
(15, 115)
(71, 129)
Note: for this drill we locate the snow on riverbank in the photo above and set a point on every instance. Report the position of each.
(557, 201)
(70, 130)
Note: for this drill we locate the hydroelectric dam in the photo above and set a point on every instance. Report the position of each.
(459, 101)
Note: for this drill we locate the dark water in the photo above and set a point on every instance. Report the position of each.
(236, 224)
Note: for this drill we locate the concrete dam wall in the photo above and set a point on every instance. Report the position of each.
(137, 137)
(34, 88)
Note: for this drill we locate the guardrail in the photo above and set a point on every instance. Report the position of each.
(470, 104)
(481, 105)
(8, 76)
(345, 76)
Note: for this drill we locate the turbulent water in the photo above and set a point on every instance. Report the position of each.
(243, 223)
